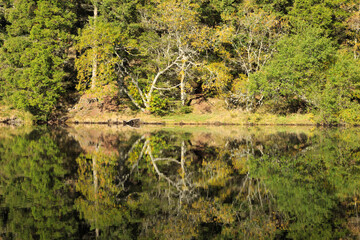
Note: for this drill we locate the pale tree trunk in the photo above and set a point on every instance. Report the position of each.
(153, 84)
(146, 96)
(182, 82)
(95, 62)
(133, 100)
(355, 48)
(182, 159)
(96, 188)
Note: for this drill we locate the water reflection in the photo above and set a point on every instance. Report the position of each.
(35, 184)
(180, 183)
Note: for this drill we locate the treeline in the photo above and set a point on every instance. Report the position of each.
(283, 56)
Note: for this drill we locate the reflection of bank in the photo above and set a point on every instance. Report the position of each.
(182, 183)
(176, 185)
(96, 192)
(165, 183)
(143, 150)
(97, 173)
(175, 171)
(36, 197)
(316, 184)
(158, 161)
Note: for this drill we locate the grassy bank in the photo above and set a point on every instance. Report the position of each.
(212, 113)
(229, 117)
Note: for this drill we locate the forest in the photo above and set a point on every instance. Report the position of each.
(284, 56)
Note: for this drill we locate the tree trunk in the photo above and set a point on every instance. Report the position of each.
(182, 159)
(153, 85)
(355, 47)
(95, 179)
(182, 83)
(95, 63)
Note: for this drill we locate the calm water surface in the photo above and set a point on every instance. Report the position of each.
(98, 182)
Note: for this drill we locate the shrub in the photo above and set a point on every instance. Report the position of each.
(185, 109)
(159, 105)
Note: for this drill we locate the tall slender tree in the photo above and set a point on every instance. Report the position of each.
(97, 42)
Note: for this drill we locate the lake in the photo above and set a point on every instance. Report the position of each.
(115, 182)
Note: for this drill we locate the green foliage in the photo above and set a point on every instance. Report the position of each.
(33, 55)
(242, 51)
(350, 115)
(159, 105)
(329, 15)
(21, 18)
(298, 69)
(309, 71)
(97, 45)
(280, 7)
(185, 109)
(342, 90)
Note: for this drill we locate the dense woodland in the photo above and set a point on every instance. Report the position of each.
(285, 56)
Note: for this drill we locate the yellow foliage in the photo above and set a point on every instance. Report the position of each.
(240, 84)
(217, 76)
(97, 45)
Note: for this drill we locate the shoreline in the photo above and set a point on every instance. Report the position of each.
(194, 124)
(70, 123)
(250, 119)
(217, 117)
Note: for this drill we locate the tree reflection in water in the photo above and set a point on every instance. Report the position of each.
(172, 185)
(37, 196)
(180, 185)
